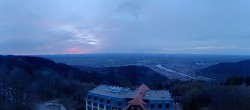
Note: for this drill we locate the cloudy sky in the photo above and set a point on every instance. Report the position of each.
(124, 26)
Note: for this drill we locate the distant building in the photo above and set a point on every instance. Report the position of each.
(106, 97)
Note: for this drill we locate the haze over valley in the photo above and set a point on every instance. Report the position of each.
(173, 66)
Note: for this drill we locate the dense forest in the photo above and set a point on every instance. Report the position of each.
(32, 80)
(26, 81)
(232, 94)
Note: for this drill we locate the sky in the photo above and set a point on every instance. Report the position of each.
(125, 26)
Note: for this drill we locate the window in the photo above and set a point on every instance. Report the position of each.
(114, 108)
(101, 100)
(152, 106)
(89, 102)
(95, 98)
(167, 105)
(108, 107)
(89, 107)
(95, 104)
(159, 105)
(89, 97)
(101, 106)
(119, 103)
(108, 101)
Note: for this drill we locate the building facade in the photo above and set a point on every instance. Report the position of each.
(106, 97)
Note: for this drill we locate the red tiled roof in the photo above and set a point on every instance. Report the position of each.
(138, 98)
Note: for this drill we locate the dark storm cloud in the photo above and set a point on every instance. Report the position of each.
(87, 26)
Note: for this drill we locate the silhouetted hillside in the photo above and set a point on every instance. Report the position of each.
(47, 80)
(127, 75)
(39, 79)
(124, 76)
(225, 70)
(32, 64)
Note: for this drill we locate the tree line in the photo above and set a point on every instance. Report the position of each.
(231, 94)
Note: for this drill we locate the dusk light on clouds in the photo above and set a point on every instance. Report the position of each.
(124, 26)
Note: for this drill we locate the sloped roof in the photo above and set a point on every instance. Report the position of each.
(138, 99)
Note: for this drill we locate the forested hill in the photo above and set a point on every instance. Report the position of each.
(32, 64)
(34, 67)
(126, 75)
(47, 80)
(225, 70)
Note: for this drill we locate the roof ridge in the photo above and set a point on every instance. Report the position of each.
(138, 99)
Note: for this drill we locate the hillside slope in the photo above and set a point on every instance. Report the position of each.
(225, 70)
(32, 64)
(122, 76)
(42, 80)
(127, 75)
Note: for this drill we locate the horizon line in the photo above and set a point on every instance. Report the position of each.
(44, 54)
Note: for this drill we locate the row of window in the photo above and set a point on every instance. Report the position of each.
(101, 108)
(152, 105)
(108, 101)
(159, 105)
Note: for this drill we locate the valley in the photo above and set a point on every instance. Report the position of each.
(173, 66)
